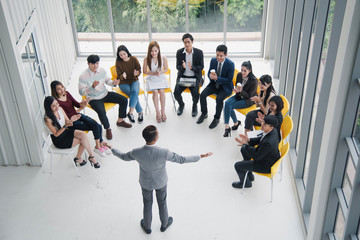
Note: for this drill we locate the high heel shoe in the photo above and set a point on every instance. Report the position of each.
(235, 127)
(95, 165)
(227, 132)
(79, 163)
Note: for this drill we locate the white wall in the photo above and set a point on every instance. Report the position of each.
(54, 32)
(49, 21)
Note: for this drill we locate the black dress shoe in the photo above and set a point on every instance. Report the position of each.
(240, 184)
(170, 221)
(235, 127)
(194, 111)
(251, 176)
(214, 123)
(201, 118)
(148, 231)
(180, 110)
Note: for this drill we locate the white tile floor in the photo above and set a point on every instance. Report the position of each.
(106, 203)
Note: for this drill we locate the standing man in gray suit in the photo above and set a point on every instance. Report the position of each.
(152, 161)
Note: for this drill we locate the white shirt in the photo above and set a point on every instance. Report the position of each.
(86, 80)
(188, 58)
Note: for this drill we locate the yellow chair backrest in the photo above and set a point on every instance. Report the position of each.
(258, 87)
(113, 73)
(286, 127)
(274, 168)
(283, 152)
(234, 77)
(285, 110)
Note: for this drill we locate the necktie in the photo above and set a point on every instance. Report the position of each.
(218, 71)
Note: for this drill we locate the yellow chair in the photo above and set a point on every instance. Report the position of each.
(203, 75)
(285, 110)
(286, 128)
(166, 90)
(107, 105)
(117, 88)
(274, 169)
(213, 96)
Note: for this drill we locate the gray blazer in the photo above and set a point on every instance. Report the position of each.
(152, 162)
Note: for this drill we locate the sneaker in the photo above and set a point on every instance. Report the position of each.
(123, 124)
(131, 117)
(141, 117)
(100, 152)
(106, 150)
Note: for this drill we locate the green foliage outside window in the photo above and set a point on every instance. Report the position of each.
(167, 15)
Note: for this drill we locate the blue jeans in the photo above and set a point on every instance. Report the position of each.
(132, 90)
(86, 123)
(231, 104)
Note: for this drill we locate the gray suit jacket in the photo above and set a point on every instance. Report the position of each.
(152, 162)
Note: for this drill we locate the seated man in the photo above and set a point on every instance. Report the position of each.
(189, 63)
(92, 85)
(264, 155)
(221, 72)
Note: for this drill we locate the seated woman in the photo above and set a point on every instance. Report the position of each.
(128, 70)
(246, 87)
(276, 104)
(84, 123)
(63, 137)
(267, 91)
(156, 66)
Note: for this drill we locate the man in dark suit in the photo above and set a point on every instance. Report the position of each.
(189, 63)
(264, 155)
(221, 72)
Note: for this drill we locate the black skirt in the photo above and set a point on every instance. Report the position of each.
(65, 140)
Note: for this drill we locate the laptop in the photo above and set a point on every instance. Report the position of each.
(187, 82)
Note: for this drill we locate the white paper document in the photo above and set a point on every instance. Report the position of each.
(254, 134)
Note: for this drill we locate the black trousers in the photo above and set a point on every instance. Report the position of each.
(250, 119)
(248, 165)
(220, 97)
(193, 90)
(111, 97)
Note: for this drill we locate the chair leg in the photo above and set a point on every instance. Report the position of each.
(76, 169)
(244, 181)
(272, 183)
(51, 160)
(172, 96)
(147, 104)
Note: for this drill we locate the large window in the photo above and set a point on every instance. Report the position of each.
(320, 79)
(244, 23)
(92, 26)
(134, 22)
(357, 132)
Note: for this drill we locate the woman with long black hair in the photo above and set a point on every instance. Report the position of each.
(62, 137)
(267, 91)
